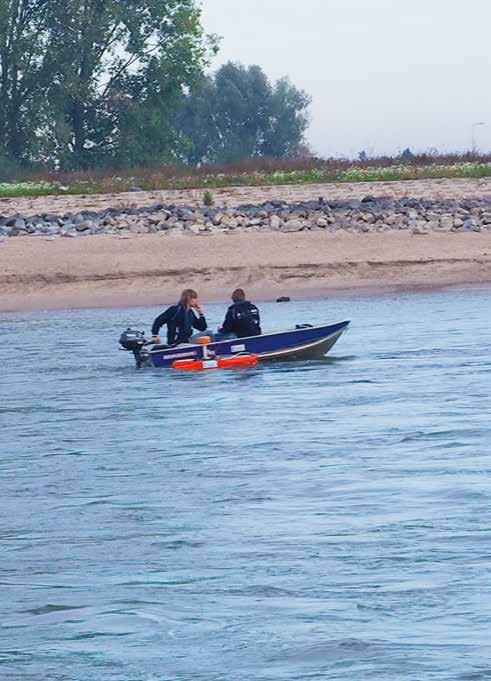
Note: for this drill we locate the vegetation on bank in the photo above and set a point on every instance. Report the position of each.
(258, 172)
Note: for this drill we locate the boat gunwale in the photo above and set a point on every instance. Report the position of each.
(262, 335)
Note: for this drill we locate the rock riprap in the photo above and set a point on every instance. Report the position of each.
(370, 214)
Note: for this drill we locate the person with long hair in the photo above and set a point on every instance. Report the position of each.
(181, 319)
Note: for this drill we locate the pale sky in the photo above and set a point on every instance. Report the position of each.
(383, 74)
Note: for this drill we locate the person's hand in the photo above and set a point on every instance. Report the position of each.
(155, 340)
(199, 309)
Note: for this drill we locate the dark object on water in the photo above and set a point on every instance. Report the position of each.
(135, 342)
(283, 299)
(309, 342)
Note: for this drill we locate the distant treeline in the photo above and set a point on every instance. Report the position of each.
(97, 83)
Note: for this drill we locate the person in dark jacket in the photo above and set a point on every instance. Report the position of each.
(242, 317)
(181, 319)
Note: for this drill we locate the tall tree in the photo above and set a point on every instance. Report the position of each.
(24, 74)
(128, 62)
(80, 79)
(238, 113)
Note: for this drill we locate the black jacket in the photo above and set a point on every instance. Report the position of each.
(242, 319)
(180, 323)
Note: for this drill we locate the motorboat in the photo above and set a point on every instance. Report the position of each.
(300, 343)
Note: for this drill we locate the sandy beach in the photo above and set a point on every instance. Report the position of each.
(108, 270)
(102, 271)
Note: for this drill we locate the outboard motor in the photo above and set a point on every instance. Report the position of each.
(135, 342)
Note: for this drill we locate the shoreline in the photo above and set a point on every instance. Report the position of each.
(88, 303)
(106, 271)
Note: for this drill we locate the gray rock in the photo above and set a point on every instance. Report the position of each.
(85, 224)
(472, 225)
(187, 215)
(217, 219)
(195, 228)
(446, 222)
(292, 226)
(16, 223)
(322, 222)
(138, 228)
(275, 222)
(433, 225)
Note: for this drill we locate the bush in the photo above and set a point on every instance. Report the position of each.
(208, 198)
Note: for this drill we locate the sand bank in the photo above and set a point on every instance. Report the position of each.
(105, 270)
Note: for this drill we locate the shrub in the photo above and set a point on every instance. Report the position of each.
(208, 198)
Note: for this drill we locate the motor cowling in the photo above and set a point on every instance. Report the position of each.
(132, 340)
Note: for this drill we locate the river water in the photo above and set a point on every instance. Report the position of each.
(322, 520)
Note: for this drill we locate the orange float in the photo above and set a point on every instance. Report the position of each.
(216, 363)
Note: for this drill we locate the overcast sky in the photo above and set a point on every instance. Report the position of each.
(383, 74)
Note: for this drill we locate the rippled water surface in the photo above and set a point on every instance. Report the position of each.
(323, 520)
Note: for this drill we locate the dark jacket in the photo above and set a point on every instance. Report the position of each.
(180, 324)
(242, 319)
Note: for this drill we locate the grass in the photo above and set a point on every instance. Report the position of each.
(255, 172)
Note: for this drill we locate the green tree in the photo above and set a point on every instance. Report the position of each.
(89, 82)
(238, 114)
(24, 75)
(128, 63)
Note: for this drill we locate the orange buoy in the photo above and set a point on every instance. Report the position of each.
(216, 363)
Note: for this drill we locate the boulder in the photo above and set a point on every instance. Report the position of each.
(85, 224)
(292, 226)
(446, 222)
(16, 223)
(275, 222)
(195, 228)
(217, 219)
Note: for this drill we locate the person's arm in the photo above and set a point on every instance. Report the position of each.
(227, 326)
(200, 322)
(158, 323)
